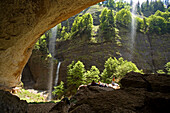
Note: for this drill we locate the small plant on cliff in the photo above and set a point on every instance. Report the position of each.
(59, 90)
(167, 67)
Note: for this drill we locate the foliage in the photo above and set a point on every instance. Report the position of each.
(75, 74)
(83, 25)
(157, 24)
(110, 68)
(160, 72)
(91, 75)
(59, 90)
(107, 25)
(124, 17)
(167, 67)
(150, 8)
(29, 96)
(41, 44)
(118, 68)
(140, 24)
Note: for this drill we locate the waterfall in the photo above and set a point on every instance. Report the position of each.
(57, 73)
(51, 51)
(133, 30)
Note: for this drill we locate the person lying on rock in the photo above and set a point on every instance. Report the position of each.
(113, 82)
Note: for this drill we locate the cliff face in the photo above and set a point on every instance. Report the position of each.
(22, 23)
(150, 53)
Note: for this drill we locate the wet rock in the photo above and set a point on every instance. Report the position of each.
(11, 104)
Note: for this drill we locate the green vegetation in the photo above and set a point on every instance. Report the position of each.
(92, 74)
(75, 75)
(30, 96)
(82, 25)
(118, 68)
(59, 90)
(112, 15)
(167, 69)
(107, 25)
(124, 17)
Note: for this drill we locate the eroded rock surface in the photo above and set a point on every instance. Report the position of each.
(22, 22)
(11, 104)
(134, 97)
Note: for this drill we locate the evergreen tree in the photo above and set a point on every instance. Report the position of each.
(138, 8)
(124, 17)
(118, 68)
(147, 4)
(75, 75)
(107, 24)
(91, 75)
(83, 25)
(157, 24)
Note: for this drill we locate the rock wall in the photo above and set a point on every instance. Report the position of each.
(140, 93)
(22, 22)
(12, 104)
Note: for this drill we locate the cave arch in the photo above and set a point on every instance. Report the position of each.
(22, 23)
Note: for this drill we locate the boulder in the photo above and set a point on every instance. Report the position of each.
(148, 93)
(11, 104)
(151, 82)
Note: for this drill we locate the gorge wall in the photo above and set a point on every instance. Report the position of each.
(151, 51)
(22, 22)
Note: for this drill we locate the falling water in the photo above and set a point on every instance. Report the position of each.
(133, 30)
(51, 50)
(57, 73)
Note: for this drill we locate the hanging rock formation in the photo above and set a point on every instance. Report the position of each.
(22, 22)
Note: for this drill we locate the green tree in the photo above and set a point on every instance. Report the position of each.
(75, 74)
(110, 68)
(64, 33)
(140, 24)
(59, 90)
(107, 24)
(91, 75)
(82, 25)
(124, 17)
(125, 68)
(157, 24)
(138, 8)
(59, 29)
(118, 68)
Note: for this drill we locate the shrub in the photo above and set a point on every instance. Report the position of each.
(59, 90)
(91, 75)
(118, 68)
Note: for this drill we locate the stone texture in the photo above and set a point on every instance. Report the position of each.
(11, 104)
(40, 69)
(22, 22)
(151, 82)
(132, 98)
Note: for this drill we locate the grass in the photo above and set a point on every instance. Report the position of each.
(30, 97)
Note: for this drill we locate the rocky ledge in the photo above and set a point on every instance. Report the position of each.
(12, 104)
(148, 93)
